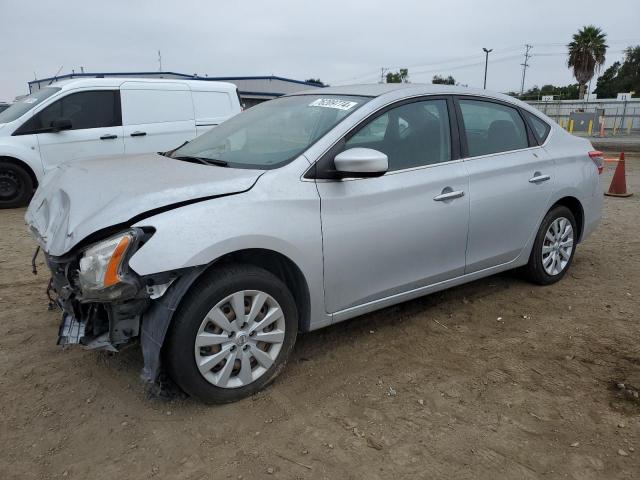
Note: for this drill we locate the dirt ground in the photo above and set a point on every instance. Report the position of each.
(495, 379)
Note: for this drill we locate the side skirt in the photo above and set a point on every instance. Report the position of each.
(419, 292)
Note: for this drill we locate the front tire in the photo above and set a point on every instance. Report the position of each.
(232, 334)
(554, 247)
(16, 185)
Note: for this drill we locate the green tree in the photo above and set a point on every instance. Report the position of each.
(607, 84)
(316, 81)
(402, 76)
(621, 77)
(568, 92)
(438, 80)
(630, 70)
(586, 54)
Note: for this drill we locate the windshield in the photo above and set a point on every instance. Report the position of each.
(273, 133)
(25, 104)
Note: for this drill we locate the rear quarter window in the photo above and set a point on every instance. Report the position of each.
(540, 127)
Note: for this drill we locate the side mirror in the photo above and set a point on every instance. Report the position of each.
(361, 163)
(60, 124)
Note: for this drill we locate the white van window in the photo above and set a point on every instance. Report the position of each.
(155, 106)
(90, 109)
(25, 104)
(211, 105)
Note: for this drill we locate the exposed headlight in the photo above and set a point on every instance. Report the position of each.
(102, 264)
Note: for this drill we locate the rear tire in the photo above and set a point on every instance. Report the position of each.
(206, 327)
(16, 185)
(554, 247)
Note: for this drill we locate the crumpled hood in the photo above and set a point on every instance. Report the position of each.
(79, 198)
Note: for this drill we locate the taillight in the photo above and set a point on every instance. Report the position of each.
(598, 159)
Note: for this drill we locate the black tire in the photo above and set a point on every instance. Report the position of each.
(202, 297)
(16, 185)
(534, 270)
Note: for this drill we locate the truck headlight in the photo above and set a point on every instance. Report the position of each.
(103, 263)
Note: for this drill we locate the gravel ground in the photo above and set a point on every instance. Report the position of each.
(494, 379)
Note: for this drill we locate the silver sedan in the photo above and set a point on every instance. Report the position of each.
(306, 211)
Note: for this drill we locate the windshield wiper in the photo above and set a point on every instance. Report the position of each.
(203, 160)
(168, 153)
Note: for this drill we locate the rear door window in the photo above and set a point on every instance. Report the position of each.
(492, 127)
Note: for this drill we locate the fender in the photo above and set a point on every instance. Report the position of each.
(156, 321)
(24, 150)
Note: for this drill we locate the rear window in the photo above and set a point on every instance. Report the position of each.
(155, 106)
(540, 128)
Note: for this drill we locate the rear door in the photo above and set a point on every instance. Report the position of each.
(510, 181)
(96, 127)
(156, 116)
(388, 235)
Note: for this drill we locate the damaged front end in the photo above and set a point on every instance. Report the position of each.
(107, 306)
(102, 300)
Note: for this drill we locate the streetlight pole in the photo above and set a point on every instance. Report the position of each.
(486, 63)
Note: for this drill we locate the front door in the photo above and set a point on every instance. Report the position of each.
(406, 229)
(96, 127)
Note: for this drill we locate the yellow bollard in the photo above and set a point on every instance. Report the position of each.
(629, 126)
(590, 127)
(615, 130)
(570, 126)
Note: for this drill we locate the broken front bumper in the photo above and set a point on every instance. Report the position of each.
(144, 316)
(70, 331)
(93, 324)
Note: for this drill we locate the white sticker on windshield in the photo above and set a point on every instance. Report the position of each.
(333, 103)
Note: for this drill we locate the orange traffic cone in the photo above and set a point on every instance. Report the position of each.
(618, 187)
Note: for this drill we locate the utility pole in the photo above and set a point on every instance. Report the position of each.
(486, 64)
(382, 72)
(524, 66)
(159, 61)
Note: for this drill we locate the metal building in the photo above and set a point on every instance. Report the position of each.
(252, 90)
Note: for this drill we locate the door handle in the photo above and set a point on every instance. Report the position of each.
(448, 195)
(108, 137)
(138, 134)
(538, 178)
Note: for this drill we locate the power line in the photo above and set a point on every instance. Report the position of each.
(446, 64)
(525, 65)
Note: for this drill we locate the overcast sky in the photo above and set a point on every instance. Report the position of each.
(336, 41)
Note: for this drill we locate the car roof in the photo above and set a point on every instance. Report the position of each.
(409, 90)
(118, 81)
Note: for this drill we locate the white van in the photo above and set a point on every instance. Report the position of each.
(82, 118)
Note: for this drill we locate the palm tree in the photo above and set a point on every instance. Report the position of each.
(586, 54)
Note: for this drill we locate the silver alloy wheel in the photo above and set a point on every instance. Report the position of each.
(557, 246)
(239, 339)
